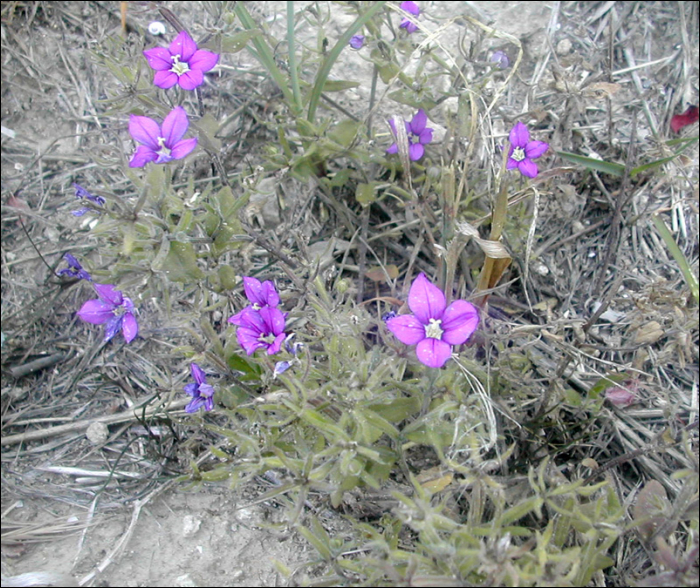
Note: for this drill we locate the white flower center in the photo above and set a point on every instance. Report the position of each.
(433, 329)
(518, 154)
(163, 151)
(268, 339)
(179, 67)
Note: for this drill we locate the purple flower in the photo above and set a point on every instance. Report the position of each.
(113, 310)
(411, 8)
(181, 63)
(74, 269)
(260, 294)
(160, 146)
(260, 328)
(432, 327)
(357, 41)
(418, 135)
(81, 193)
(201, 392)
(280, 368)
(500, 59)
(523, 151)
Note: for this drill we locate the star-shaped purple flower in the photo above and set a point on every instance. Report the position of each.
(262, 328)
(418, 135)
(523, 151)
(433, 328)
(74, 269)
(201, 392)
(113, 310)
(181, 63)
(160, 145)
(411, 8)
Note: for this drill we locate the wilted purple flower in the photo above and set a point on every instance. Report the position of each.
(160, 146)
(113, 310)
(292, 347)
(201, 392)
(418, 135)
(411, 8)
(82, 193)
(357, 41)
(281, 367)
(500, 59)
(624, 395)
(523, 151)
(260, 328)
(74, 269)
(432, 327)
(181, 63)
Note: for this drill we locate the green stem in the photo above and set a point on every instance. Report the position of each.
(333, 55)
(293, 71)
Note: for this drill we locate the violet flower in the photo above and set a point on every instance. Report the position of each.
(160, 145)
(357, 41)
(433, 328)
(260, 294)
(181, 63)
(262, 328)
(418, 135)
(500, 59)
(82, 194)
(523, 151)
(201, 392)
(113, 310)
(411, 8)
(74, 269)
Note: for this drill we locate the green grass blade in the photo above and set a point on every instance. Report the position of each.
(682, 262)
(614, 169)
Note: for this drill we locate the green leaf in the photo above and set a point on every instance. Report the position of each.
(364, 193)
(344, 132)
(339, 85)
(678, 255)
(181, 263)
(615, 169)
(238, 41)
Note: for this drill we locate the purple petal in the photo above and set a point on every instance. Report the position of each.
(261, 293)
(158, 58)
(191, 79)
(250, 318)
(407, 329)
(209, 403)
(269, 294)
(248, 339)
(415, 151)
(203, 60)
(112, 327)
(141, 157)
(107, 293)
(80, 211)
(184, 46)
(165, 79)
(433, 352)
(206, 390)
(96, 312)
(393, 149)
(425, 300)
(535, 149)
(144, 130)
(197, 374)
(175, 126)
(195, 404)
(460, 320)
(183, 148)
(130, 328)
(276, 344)
(418, 122)
(511, 163)
(274, 320)
(192, 389)
(519, 136)
(410, 7)
(426, 136)
(528, 168)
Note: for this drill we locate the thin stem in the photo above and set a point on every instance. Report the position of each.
(293, 71)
